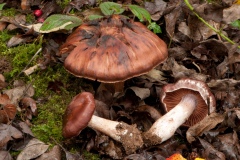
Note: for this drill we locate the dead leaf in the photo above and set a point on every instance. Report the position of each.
(155, 8)
(8, 132)
(154, 76)
(202, 31)
(25, 128)
(8, 113)
(231, 14)
(113, 150)
(27, 103)
(33, 149)
(4, 99)
(180, 71)
(210, 152)
(3, 25)
(142, 93)
(5, 155)
(3, 117)
(205, 125)
(154, 113)
(25, 4)
(134, 156)
(73, 156)
(53, 154)
(229, 145)
(17, 93)
(171, 20)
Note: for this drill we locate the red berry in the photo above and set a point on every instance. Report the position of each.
(38, 12)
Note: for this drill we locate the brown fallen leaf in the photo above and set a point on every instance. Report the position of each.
(153, 112)
(3, 117)
(25, 4)
(28, 104)
(11, 110)
(54, 153)
(8, 110)
(229, 145)
(210, 152)
(5, 155)
(142, 93)
(8, 113)
(33, 149)
(19, 91)
(7, 133)
(3, 84)
(171, 20)
(17, 39)
(180, 71)
(206, 124)
(25, 128)
(155, 8)
(4, 99)
(231, 14)
(113, 150)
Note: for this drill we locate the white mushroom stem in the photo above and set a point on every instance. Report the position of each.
(128, 135)
(165, 127)
(107, 127)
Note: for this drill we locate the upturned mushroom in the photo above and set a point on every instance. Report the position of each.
(112, 49)
(79, 115)
(187, 101)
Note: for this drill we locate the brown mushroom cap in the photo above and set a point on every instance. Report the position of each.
(112, 49)
(172, 94)
(78, 113)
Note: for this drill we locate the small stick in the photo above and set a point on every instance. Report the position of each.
(31, 69)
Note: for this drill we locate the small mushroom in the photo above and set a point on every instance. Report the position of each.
(112, 49)
(79, 114)
(187, 101)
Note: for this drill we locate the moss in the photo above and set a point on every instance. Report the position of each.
(19, 55)
(30, 18)
(48, 124)
(14, 154)
(90, 156)
(63, 3)
(10, 12)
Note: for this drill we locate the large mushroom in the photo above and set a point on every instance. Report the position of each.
(187, 101)
(112, 49)
(79, 115)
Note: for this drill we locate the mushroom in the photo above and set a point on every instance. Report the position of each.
(187, 101)
(112, 49)
(79, 114)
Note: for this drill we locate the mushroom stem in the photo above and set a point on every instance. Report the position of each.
(128, 135)
(107, 127)
(165, 127)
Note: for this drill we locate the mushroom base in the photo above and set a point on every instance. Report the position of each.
(128, 135)
(165, 127)
(131, 137)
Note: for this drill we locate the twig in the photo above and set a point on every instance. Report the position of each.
(207, 24)
(33, 57)
(32, 69)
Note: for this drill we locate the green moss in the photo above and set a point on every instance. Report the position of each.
(90, 156)
(30, 18)
(19, 56)
(4, 37)
(10, 12)
(48, 123)
(63, 3)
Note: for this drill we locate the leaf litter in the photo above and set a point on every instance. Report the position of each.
(195, 51)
